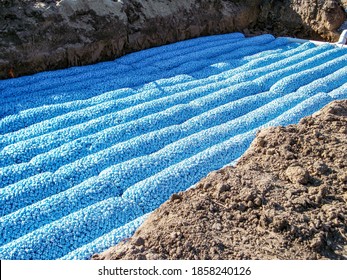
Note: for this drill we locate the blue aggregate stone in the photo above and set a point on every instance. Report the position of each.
(87, 152)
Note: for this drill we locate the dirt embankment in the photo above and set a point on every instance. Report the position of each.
(285, 199)
(49, 34)
(311, 19)
(43, 35)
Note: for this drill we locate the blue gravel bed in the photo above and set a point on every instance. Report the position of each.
(87, 153)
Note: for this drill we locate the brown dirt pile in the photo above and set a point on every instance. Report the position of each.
(285, 199)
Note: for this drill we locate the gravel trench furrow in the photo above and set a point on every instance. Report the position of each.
(101, 187)
(86, 153)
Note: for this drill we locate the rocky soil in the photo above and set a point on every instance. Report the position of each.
(53, 34)
(285, 199)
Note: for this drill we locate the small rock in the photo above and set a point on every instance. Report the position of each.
(175, 196)
(139, 241)
(223, 188)
(289, 155)
(297, 175)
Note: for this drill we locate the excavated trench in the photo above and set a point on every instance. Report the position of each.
(86, 153)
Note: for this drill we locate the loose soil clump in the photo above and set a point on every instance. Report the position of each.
(285, 199)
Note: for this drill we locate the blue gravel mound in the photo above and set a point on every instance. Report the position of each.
(87, 152)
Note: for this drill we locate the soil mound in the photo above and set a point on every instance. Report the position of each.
(285, 199)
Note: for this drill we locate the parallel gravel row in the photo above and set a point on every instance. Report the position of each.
(86, 153)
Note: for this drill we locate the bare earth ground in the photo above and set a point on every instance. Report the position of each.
(285, 199)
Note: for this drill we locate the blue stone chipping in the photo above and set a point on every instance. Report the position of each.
(86, 153)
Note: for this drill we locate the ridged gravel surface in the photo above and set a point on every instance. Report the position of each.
(87, 152)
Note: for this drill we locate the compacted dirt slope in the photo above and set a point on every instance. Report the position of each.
(285, 199)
